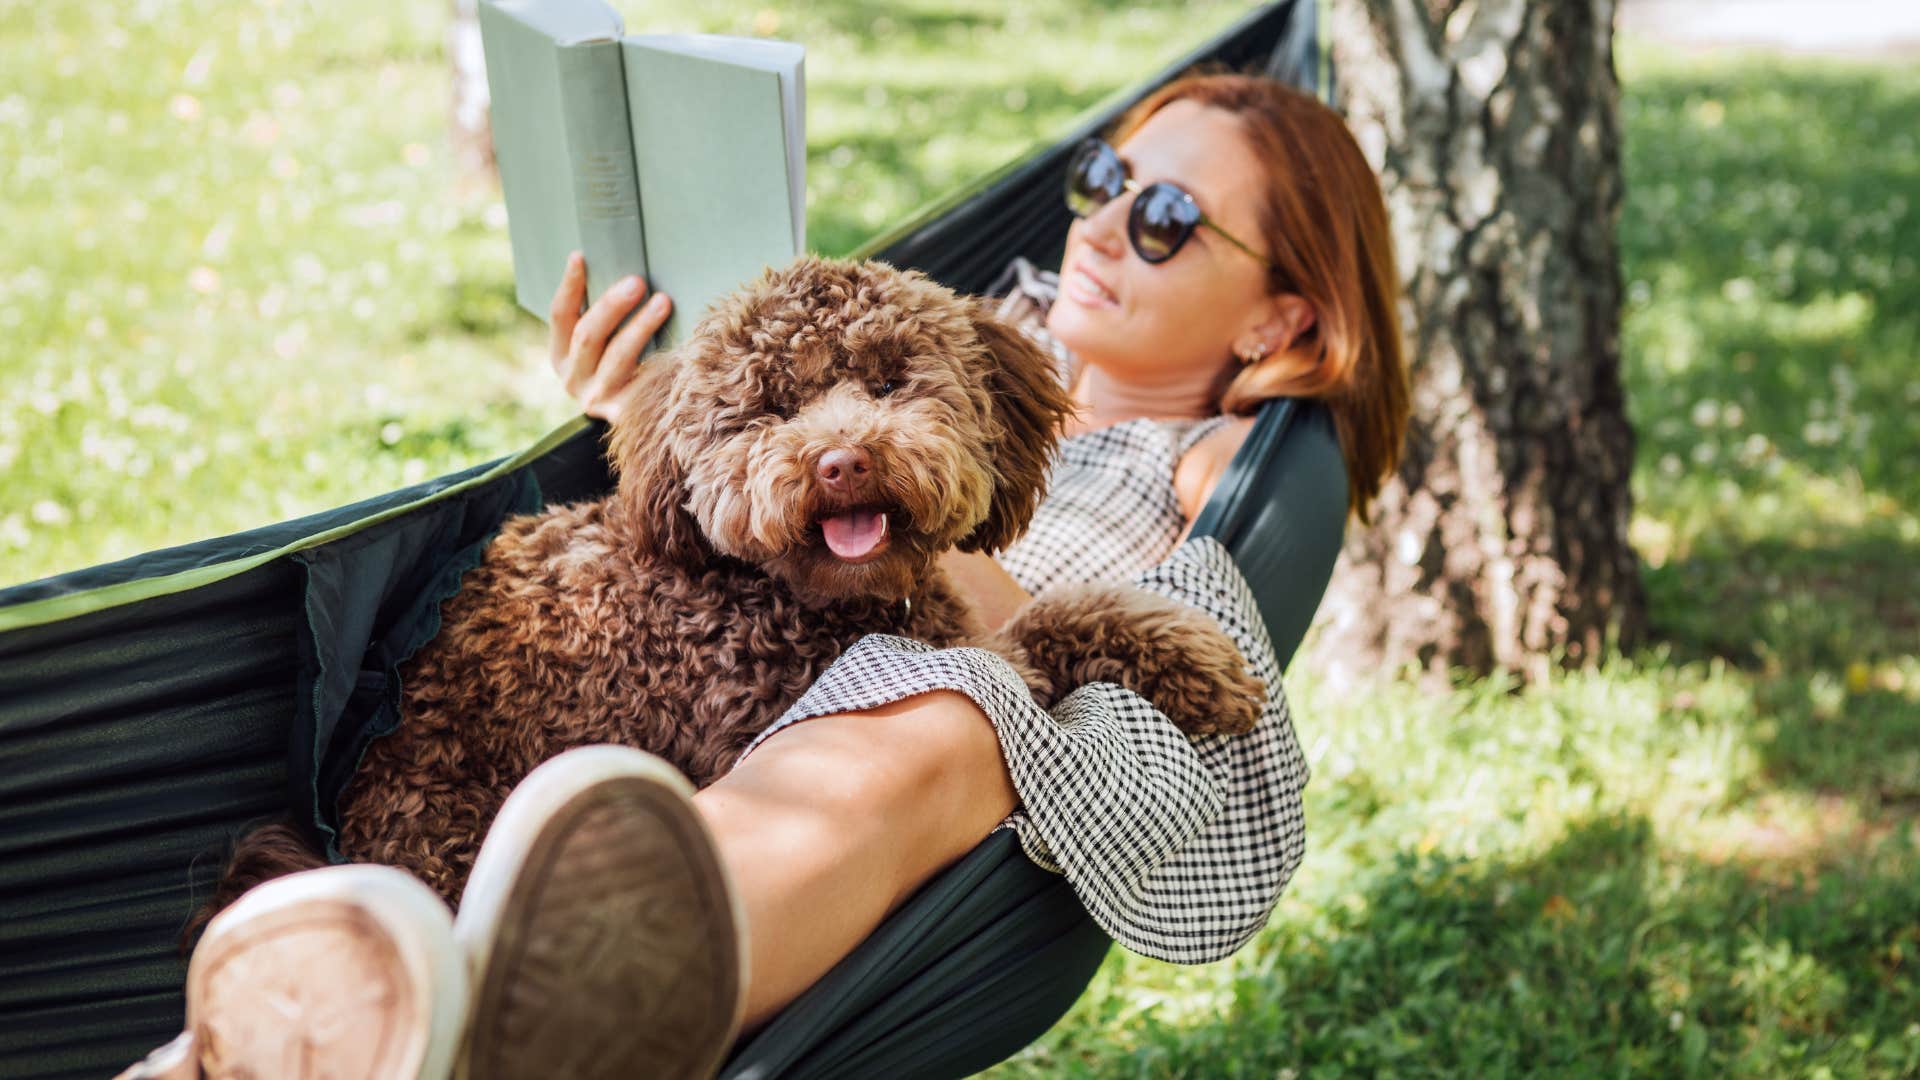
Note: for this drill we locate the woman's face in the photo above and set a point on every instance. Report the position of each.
(1150, 321)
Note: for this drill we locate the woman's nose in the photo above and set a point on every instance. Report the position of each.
(1105, 230)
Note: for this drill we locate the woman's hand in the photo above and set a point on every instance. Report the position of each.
(595, 370)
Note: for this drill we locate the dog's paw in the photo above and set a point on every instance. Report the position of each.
(1171, 654)
(1204, 686)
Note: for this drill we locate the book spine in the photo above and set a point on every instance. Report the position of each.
(593, 107)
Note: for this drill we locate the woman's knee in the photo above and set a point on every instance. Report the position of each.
(926, 757)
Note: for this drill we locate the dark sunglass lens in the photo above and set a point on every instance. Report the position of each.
(1094, 179)
(1162, 219)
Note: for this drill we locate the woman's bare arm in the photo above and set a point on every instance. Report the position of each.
(993, 592)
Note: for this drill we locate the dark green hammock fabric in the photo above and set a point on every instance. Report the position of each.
(151, 709)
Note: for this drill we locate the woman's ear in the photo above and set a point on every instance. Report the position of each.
(1286, 319)
(1029, 405)
(652, 485)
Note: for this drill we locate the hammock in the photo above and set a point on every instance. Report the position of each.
(149, 711)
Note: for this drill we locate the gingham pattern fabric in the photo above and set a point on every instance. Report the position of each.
(1110, 508)
(1178, 848)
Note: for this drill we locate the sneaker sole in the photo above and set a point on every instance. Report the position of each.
(374, 932)
(601, 930)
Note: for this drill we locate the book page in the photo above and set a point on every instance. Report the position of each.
(716, 195)
(784, 58)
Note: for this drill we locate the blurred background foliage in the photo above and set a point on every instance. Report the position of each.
(240, 282)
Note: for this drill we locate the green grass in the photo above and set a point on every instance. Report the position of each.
(239, 284)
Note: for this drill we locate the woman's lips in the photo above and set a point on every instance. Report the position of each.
(1086, 290)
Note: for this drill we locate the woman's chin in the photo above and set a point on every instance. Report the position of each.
(1073, 326)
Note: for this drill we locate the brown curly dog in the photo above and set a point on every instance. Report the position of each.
(786, 484)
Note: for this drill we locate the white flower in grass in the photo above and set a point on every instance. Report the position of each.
(308, 270)
(48, 512)
(214, 245)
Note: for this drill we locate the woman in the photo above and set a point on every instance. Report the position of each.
(1231, 246)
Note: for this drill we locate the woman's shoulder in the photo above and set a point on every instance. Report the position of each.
(1200, 468)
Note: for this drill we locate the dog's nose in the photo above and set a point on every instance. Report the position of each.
(844, 468)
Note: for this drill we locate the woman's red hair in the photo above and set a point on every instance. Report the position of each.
(1325, 225)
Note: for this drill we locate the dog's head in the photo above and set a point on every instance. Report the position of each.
(840, 424)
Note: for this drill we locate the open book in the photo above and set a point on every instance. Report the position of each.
(678, 157)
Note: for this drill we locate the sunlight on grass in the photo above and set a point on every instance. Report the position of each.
(241, 285)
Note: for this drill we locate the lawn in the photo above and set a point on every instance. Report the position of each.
(240, 284)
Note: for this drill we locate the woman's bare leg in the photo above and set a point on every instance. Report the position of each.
(827, 826)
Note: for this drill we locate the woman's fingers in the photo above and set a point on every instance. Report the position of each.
(596, 356)
(620, 362)
(590, 334)
(567, 300)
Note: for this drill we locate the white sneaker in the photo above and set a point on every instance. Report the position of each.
(344, 971)
(603, 936)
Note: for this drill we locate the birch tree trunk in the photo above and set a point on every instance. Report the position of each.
(472, 133)
(1502, 543)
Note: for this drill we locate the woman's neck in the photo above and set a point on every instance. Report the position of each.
(1105, 399)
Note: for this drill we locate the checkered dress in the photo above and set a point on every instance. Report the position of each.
(1178, 847)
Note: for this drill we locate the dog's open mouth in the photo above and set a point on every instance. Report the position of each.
(857, 533)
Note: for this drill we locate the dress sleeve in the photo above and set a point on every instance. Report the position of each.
(1178, 847)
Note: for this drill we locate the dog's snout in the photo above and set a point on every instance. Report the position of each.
(844, 468)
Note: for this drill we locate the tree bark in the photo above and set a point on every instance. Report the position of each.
(468, 124)
(1502, 542)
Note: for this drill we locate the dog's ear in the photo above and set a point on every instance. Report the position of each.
(652, 485)
(1029, 405)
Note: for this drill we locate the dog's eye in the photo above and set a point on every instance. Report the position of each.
(883, 388)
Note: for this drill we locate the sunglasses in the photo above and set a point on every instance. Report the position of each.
(1163, 214)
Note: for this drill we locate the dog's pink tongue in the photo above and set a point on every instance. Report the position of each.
(854, 533)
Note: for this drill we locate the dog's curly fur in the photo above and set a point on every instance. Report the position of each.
(1167, 652)
(687, 610)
